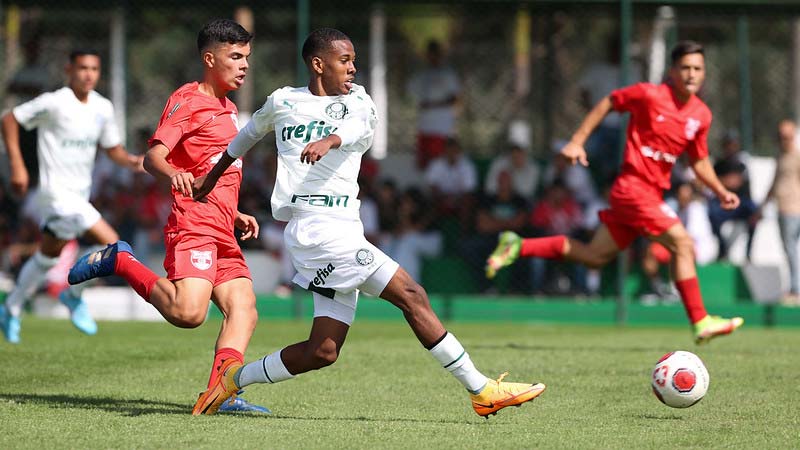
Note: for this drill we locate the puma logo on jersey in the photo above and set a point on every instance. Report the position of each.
(692, 125)
(313, 130)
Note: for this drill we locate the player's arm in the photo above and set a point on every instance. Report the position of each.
(705, 172)
(121, 157)
(574, 150)
(19, 174)
(155, 163)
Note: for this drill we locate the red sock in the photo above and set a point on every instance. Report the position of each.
(221, 354)
(136, 274)
(551, 247)
(692, 300)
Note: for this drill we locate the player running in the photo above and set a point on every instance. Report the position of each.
(666, 120)
(203, 260)
(321, 132)
(72, 123)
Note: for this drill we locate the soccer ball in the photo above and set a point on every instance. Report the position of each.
(680, 379)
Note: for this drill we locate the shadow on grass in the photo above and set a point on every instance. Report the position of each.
(125, 407)
(141, 407)
(657, 416)
(615, 347)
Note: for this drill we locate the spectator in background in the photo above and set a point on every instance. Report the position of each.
(503, 210)
(731, 170)
(408, 242)
(436, 90)
(452, 180)
(557, 213)
(576, 178)
(600, 78)
(524, 173)
(786, 191)
(386, 198)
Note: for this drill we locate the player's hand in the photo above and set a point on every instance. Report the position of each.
(203, 186)
(728, 200)
(19, 181)
(575, 153)
(182, 182)
(315, 151)
(248, 225)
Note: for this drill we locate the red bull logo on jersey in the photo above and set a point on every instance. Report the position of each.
(201, 259)
(316, 130)
(692, 125)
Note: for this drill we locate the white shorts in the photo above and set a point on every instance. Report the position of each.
(334, 259)
(65, 214)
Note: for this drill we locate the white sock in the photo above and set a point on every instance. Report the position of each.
(269, 369)
(30, 277)
(452, 356)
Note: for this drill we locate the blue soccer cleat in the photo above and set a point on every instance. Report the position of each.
(10, 325)
(97, 264)
(78, 312)
(238, 404)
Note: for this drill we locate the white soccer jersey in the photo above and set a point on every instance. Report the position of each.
(299, 117)
(69, 133)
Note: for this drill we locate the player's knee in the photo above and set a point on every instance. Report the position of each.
(324, 355)
(189, 318)
(598, 260)
(684, 245)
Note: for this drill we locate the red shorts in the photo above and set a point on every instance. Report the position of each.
(636, 208)
(206, 256)
(429, 147)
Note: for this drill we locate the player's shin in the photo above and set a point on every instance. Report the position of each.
(140, 278)
(692, 299)
(30, 277)
(452, 356)
(269, 369)
(551, 247)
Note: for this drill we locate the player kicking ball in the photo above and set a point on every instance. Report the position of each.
(666, 120)
(321, 132)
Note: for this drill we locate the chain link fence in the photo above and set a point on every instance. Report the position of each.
(523, 74)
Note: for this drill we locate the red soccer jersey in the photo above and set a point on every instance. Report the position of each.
(660, 129)
(197, 128)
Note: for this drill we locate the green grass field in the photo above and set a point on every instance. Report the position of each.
(133, 385)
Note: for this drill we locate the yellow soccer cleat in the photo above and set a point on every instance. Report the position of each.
(506, 252)
(713, 326)
(209, 401)
(499, 394)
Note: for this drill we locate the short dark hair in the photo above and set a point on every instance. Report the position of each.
(78, 52)
(321, 40)
(684, 48)
(222, 31)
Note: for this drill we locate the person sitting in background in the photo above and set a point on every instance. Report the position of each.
(576, 178)
(732, 175)
(409, 242)
(558, 212)
(452, 180)
(786, 191)
(504, 210)
(524, 173)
